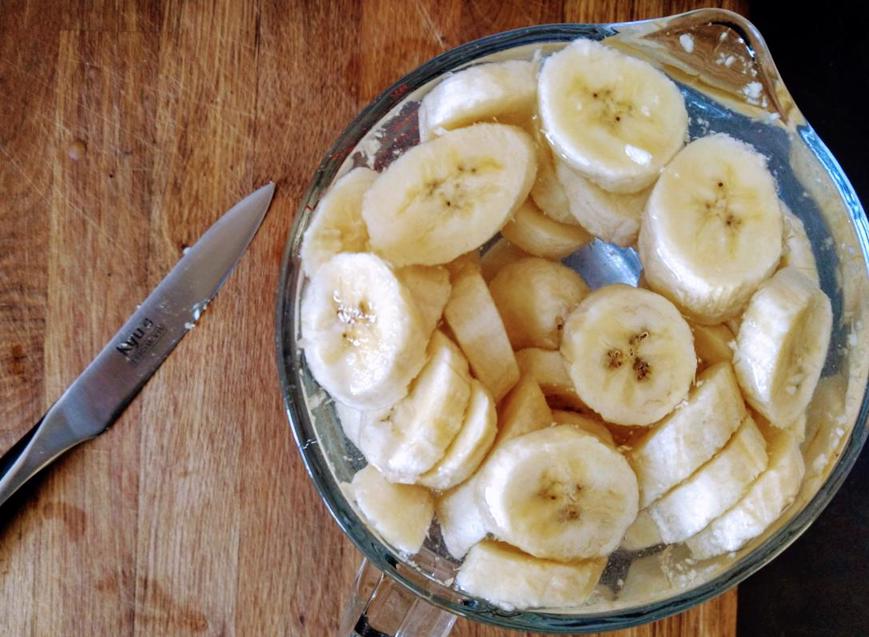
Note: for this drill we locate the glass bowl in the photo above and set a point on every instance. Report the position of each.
(730, 84)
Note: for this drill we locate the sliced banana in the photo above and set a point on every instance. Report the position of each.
(611, 216)
(534, 296)
(513, 580)
(558, 493)
(713, 344)
(351, 421)
(548, 369)
(547, 192)
(690, 435)
(764, 502)
(337, 224)
(449, 195)
(401, 513)
(712, 229)
(614, 118)
(470, 445)
(461, 519)
(361, 331)
(477, 326)
(541, 236)
(410, 438)
(486, 91)
(629, 353)
(430, 288)
(500, 254)
(782, 344)
(797, 249)
(713, 488)
(588, 424)
(467, 260)
(642, 534)
(523, 410)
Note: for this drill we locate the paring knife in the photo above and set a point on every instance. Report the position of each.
(105, 388)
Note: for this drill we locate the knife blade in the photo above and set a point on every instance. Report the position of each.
(104, 389)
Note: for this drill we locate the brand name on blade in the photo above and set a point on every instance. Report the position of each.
(140, 340)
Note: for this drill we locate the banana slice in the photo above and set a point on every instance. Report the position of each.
(477, 326)
(587, 424)
(461, 519)
(629, 353)
(713, 344)
(430, 289)
(782, 344)
(499, 255)
(642, 534)
(337, 224)
(558, 493)
(523, 410)
(410, 438)
(764, 502)
(534, 296)
(361, 331)
(614, 118)
(612, 217)
(450, 195)
(547, 192)
(690, 435)
(508, 578)
(467, 260)
(401, 513)
(351, 421)
(712, 229)
(470, 446)
(547, 368)
(487, 91)
(714, 488)
(541, 236)
(797, 249)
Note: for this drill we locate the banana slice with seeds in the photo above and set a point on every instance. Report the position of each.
(541, 236)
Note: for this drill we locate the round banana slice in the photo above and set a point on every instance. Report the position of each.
(534, 296)
(558, 493)
(614, 118)
(541, 236)
(797, 249)
(337, 224)
(361, 331)
(782, 345)
(712, 229)
(513, 580)
(629, 353)
(449, 195)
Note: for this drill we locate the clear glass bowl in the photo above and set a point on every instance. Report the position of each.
(730, 84)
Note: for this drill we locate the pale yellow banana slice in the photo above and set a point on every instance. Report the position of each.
(400, 513)
(500, 254)
(712, 228)
(610, 216)
(614, 118)
(483, 92)
(460, 518)
(548, 369)
(713, 488)
(764, 502)
(470, 445)
(361, 331)
(782, 344)
(797, 249)
(547, 192)
(430, 288)
(523, 410)
(558, 493)
(541, 236)
(690, 435)
(351, 421)
(588, 424)
(513, 580)
(629, 353)
(642, 533)
(477, 326)
(713, 344)
(410, 438)
(449, 195)
(534, 296)
(337, 224)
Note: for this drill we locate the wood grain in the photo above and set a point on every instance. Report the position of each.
(125, 129)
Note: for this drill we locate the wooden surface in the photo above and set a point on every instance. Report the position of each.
(126, 128)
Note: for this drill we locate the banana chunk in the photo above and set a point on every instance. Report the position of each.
(401, 513)
(534, 296)
(642, 534)
(461, 519)
(687, 438)
(629, 353)
(713, 488)
(548, 369)
(558, 493)
(782, 345)
(499, 255)
(797, 249)
(548, 192)
(713, 344)
(541, 236)
(449, 195)
(513, 580)
(712, 228)
(764, 502)
(522, 411)
(482, 92)
(587, 424)
(337, 224)
(361, 331)
(614, 118)
(430, 289)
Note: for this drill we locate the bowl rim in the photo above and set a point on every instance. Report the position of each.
(286, 348)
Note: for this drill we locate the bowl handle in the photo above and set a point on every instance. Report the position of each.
(380, 607)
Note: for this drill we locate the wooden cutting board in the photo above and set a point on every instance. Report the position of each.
(126, 128)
